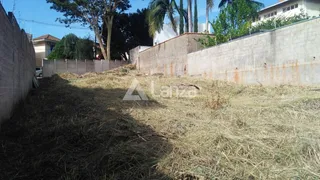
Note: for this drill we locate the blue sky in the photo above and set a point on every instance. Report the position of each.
(39, 11)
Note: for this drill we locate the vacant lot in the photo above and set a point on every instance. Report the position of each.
(80, 128)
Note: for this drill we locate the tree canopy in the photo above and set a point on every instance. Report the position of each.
(129, 30)
(92, 12)
(158, 10)
(72, 47)
(233, 21)
(255, 4)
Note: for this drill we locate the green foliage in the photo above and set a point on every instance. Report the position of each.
(252, 3)
(91, 12)
(129, 31)
(273, 23)
(233, 21)
(72, 47)
(84, 49)
(207, 41)
(87, 11)
(225, 32)
(195, 23)
(158, 10)
(209, 4)
(58, 51)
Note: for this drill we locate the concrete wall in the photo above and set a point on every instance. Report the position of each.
(289, 55)
(313, 8)
(279, 10)
(310, 8)
(167, 32)
(40, 49)
(134, 53)
(169, 57)
(51, 67)
(17, 64)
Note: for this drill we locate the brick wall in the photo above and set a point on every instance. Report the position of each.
(17, 64)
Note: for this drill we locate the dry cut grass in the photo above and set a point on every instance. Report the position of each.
(80, 128)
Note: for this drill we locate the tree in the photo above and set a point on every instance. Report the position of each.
(91, 12)
(58, 51)
(84, 49)
(233, 21)
(129, 31)
(70, 41)
(195, 29)
(189, 15)
(181, 11)
(158, 10)
(253, 3)
(209, 7)
(72, 47)
(111, 8)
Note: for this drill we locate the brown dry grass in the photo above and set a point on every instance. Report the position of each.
(83, 129)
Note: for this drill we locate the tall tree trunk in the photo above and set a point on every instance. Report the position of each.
(190, 15)
(207, 19)
(98, 35)
(181, 25)
(109, 29)
(195, 29)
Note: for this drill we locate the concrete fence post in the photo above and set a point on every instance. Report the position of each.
(101, 65)
(77, 65)
(66, 61)
(54, 69)
(85, 62)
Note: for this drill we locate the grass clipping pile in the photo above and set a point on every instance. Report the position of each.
(78, 127)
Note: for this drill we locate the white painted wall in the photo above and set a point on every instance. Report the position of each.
(39, 48)
(168, 33)
(313, 8)
(298, 8)
(142, 48)
(308, 7)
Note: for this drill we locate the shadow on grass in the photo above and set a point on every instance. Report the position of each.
(66, 132)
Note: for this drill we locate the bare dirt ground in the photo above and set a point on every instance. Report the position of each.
(80, 128)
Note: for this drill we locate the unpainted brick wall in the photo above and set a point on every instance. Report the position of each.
(17, 64)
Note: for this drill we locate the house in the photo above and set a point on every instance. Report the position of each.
(43, 46)
(290, 8)
(167, 32)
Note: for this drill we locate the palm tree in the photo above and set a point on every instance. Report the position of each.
(257, 4)
(181, 25)
(209, 7)
(195, 21)
(190, 15)
(158, 10)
